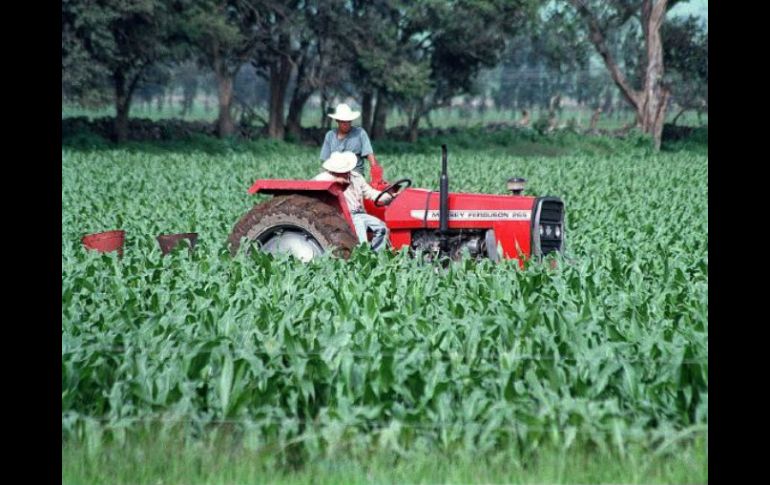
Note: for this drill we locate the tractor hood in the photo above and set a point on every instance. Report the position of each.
(419, 208)
(509, 217)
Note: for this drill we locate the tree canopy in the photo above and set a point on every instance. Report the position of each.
(386, 54)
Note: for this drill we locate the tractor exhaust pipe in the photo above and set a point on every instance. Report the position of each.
(443, 214)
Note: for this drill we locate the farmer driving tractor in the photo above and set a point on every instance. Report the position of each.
(339, 167)
(347, 138)
(307, 219)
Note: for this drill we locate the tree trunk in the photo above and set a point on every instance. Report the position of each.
(225, 125)
(280, 72)
(121, 115)
(296, 106)
(366, 111)
(607, 106)
(299, 97)
(658, 117)
(655, 95)
(414, 130)
(554, 106)
(594, 120)
(189, 90)
(414, 121)
(124, 90)
(325, 120)
(524, 121)
(121, 110)
(380, 117)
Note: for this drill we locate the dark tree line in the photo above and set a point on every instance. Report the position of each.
(386, 54)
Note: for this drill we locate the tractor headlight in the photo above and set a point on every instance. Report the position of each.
(550, 230)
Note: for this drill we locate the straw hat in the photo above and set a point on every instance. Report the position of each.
(341, 162)
(343, 113)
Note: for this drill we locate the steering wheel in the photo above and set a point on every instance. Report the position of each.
(395, 185)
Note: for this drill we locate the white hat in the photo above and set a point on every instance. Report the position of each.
(341, 162)
(344, 113)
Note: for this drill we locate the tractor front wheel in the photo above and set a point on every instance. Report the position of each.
(295, 224)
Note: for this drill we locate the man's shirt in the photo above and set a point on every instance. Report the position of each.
(356, 141)
(356, 190)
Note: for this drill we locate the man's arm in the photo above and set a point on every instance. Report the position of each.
(366, 147)
(368, 191)
(327, 177)
(368, 153)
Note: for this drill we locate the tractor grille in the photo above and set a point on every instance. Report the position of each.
(548, 226)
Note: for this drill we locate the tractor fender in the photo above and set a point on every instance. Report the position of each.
(331, 193)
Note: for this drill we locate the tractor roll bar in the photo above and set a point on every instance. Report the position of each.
(443, 215)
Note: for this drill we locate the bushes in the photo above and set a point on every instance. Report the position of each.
(139, 129)
(85, 133)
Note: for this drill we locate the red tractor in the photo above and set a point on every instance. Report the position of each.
(308, 218)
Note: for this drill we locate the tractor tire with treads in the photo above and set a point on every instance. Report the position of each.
(304, 224)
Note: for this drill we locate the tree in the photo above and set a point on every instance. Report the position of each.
(323, 61)
(685, 52)
(397, 69)
(375, 56)
(545, 60)
(119, 39)
(83, 80)
(303, 87)
(421, 54)
(279, 32)
(222, 34)
(650, 100)
(153, 84)
(456, 57)
(187, 75)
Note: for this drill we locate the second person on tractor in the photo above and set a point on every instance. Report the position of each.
(339, 168)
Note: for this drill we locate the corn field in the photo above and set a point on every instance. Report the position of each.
(607, 349)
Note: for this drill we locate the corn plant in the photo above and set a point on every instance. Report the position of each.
(609, 348)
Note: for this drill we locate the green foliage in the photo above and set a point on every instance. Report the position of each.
(120, 36)
(609, 350)
(696, 142)
(220, 33)
(427, 52)
(685, 53)
(149, 460)
(541, 125)
(87, 140)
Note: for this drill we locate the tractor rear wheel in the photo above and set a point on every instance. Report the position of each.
(296, 224)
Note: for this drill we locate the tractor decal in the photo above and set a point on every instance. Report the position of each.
(476, 215)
